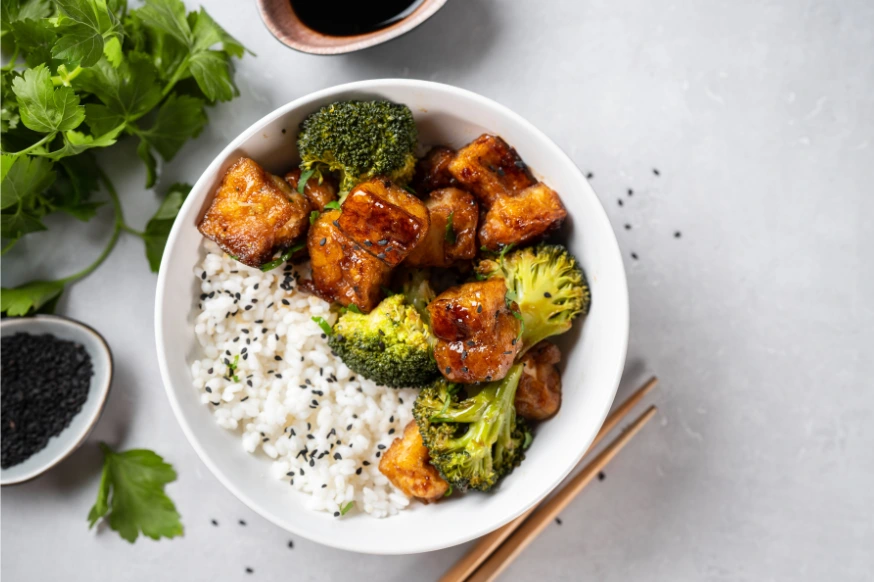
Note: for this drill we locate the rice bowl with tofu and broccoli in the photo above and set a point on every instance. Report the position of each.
(382, 322)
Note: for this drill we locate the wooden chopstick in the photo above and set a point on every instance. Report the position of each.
(490, 542)
(546, 513)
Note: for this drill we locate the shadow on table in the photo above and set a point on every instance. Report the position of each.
(453, 39)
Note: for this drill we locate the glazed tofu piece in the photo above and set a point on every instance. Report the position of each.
(447, 243)
(254, 214)
(476, 331)
(490, 168)
(341, 270)
(538, 396)
(318, 194)
(519, 219)
(385, 219)
(407, 465)
(432, 171)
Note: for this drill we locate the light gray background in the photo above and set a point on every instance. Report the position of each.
(759, 116)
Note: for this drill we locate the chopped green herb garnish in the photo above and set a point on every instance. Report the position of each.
(333, 205)
(326, 327)
(387, 292)
(410, 190)
(449, 235)
(283, 258)
(236, 378)
(354, 308)
(304, 178)
(345, 508)
(527, 442)
(313, 216)
(450, 490)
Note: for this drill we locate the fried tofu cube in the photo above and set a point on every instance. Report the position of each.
(407, 465)
(447, 243)
(341, 270)
(432, 171)
(538, 395)
(254, 214)
(490, 169)
(385, 219)
(476, 331)
(519, 219)
(318, 193)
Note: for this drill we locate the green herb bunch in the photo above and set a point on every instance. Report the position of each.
(82, 74)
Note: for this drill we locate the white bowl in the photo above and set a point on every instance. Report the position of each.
(594, 351)
(68, 440)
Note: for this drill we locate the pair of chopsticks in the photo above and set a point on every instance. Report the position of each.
(497, 550)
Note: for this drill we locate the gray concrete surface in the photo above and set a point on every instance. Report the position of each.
(759, 116)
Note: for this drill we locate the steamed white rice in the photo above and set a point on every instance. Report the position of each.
(322, 427)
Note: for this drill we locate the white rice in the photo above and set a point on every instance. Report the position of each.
(317, 421)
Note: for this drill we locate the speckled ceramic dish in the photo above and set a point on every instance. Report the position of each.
(62, 445)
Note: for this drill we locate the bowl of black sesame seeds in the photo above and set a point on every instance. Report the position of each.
(55, 379)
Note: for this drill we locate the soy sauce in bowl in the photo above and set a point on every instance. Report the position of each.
(351, 17)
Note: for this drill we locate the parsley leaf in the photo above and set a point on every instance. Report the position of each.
(86, 26)
(158, 228)
(128, 91)
(180, 117)
(333, 205)
(145, 154)
(35, 38)
(23, 178)
(29, 297)
(76, 142)
(44, 108)
(132, 498)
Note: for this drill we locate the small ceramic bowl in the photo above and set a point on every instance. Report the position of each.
(284, 24)
(62, 445)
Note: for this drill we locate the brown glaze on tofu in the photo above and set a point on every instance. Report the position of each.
(442, 247)
(407, 465)
(525, 217)
(539, 393)
(317, 193)
(385, 219)
(476, 331)
(254, 214)
(342, 271)
(432, 171)
(490, 169)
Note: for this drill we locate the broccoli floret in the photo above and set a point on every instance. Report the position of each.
(548, 285)
(475, 441)
(359, 140)
(391, 345)
(417, 289)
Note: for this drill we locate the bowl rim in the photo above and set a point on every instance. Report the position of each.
(102, 394)
(611, 246)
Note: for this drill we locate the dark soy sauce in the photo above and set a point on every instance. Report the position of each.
(351, 17)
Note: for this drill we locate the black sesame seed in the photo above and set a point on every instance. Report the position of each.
(547, 294)
(627, 227)
(337, 456)
(209, 390)
(558, 520)
(634, 256)
(382, 242)
(678, 234)
(203, 275)
(285, 302)
(290, 543)
(365, 463)
(242, 522)
(620, 202)
(479, 308)
(601, 476)
(391, 431)
(380, 447)
(277, 358)
(448, 369)
(245, 398)
(214, 522)
(380, 256)
(358, 471)
(590, 175)
(249, 570)
(323, 241)
(656, 172)
(336, 514)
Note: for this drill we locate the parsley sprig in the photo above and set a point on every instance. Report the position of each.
(83, 74)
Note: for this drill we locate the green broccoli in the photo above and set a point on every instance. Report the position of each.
(359, 140)
(548, 285)
(475, 441)
(416, 287)
(391, 345)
